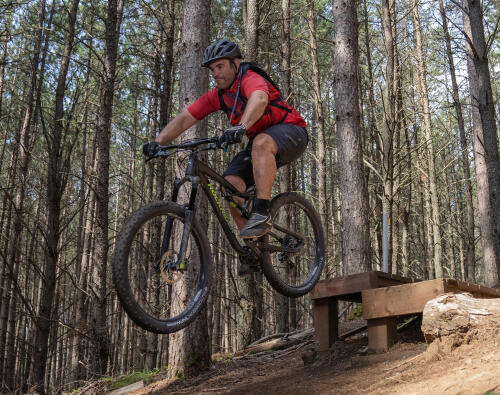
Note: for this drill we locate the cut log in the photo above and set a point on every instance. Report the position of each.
(454, 314)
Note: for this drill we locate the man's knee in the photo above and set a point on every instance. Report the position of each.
(264, 142)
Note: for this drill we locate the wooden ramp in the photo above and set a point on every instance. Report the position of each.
(384, 298)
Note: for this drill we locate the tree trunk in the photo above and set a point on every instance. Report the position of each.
(58, 168)
(485, 141)
(468, 213)
(388, 130)
(452, 314)
(86, 202)
(320, 118)
(189, 350)
(25, 143)
(99, 334)
(249, 322)
(3, 62)
(282, 302)
(354, 199)
(251, 30)
(427, 131)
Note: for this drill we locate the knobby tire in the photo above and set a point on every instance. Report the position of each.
(124, 273)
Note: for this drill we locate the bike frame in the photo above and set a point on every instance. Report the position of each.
(198, 173)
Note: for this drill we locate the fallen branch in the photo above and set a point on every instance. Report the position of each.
(277, 342)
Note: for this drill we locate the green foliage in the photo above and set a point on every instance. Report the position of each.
(134, 377)
(223, 357)
(356, 313)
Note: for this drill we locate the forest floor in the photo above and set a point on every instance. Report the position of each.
(410, 367)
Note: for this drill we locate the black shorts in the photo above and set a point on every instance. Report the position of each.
(291, 140)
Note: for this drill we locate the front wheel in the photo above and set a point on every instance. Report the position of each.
(297, 231)
(156, 295)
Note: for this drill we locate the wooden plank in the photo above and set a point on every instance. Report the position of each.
(401, 299)
(342, 285)
(479, 291)
(348, 287)
(326, 323)
(411, 298)
(381, 333)
(393, 277)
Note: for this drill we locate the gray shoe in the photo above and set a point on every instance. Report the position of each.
(257, 225)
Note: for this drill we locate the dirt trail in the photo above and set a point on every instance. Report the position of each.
(410, 367)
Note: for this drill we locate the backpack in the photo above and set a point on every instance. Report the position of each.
(244, 67)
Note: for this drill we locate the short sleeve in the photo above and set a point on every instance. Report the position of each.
(205, 104)
(254, 82)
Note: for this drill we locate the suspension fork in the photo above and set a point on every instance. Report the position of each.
(188, 214)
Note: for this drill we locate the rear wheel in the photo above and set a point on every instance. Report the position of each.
(297, 228)
(156, 296)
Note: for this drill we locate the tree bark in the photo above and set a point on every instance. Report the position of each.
(99, 334)
(58, 168)
(189, 350)
(25, 144)
(87, 203)
(452, 314)
(486, 161)
(468, 213)
(282, 302)
(427, 131)
(320, 118)
(251, 30)
(388, 131)
(250, 302)
(354, 199)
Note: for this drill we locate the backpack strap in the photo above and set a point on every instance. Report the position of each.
(226, 109)
(244, 67)
(223, 105)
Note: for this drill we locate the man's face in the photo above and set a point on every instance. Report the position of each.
(223, 72)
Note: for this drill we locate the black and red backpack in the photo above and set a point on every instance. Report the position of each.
(244, 67)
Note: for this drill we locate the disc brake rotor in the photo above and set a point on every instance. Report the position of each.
(169, 276)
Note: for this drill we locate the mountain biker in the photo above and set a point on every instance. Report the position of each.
(276, 131)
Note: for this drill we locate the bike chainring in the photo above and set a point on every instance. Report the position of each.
(289, 242)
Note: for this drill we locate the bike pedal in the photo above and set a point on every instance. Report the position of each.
(244, 269)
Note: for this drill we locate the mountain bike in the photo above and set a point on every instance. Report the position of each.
(162, 266)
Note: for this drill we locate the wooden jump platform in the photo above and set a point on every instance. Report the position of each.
(384, 298)
(327, 293)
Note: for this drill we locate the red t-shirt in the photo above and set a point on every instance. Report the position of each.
(209, 103)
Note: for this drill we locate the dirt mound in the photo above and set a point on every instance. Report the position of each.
(451, 365)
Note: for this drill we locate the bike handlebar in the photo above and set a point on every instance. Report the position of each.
(212, 143)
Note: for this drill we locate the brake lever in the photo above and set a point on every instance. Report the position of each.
(158, 155)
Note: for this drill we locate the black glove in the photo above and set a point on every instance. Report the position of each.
(151, 149)
(233, 135)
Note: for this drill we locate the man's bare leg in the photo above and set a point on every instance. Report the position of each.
(240, 185)
(264, 150)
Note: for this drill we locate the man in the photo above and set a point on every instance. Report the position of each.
(276, 131)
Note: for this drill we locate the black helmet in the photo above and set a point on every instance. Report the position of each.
(221, 49)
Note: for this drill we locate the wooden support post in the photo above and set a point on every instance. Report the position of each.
(381, 332)
(326, 324)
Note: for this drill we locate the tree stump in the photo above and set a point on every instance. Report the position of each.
(458, 314)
